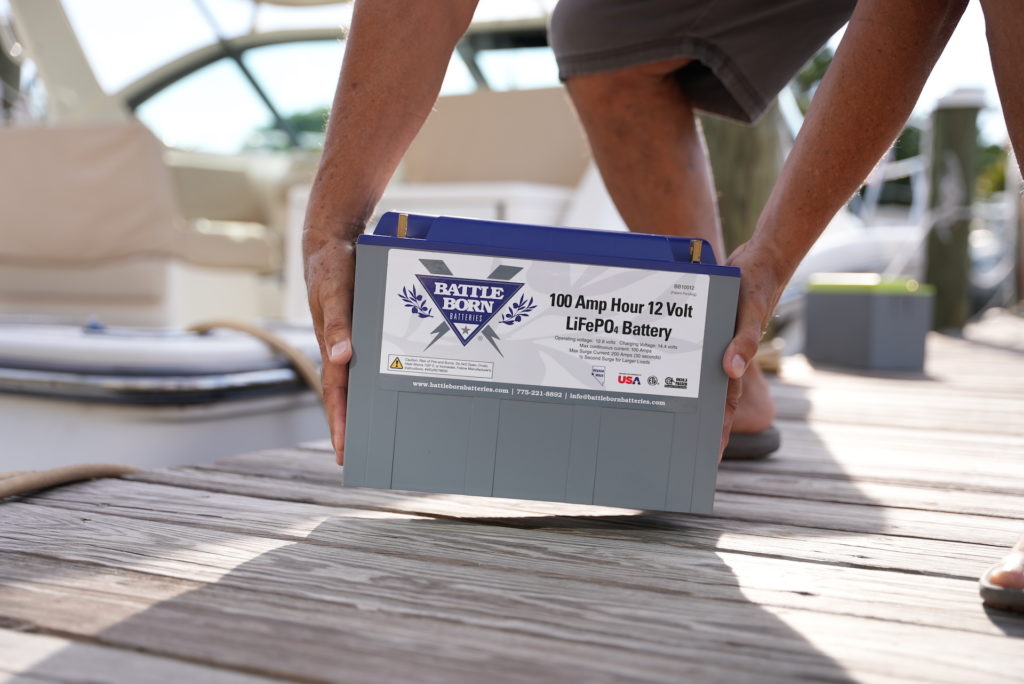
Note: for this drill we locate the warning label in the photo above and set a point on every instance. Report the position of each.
(456, 368)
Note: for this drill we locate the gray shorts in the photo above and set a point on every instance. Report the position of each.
(744, 51)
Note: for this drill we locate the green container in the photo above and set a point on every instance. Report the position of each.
(867, 321)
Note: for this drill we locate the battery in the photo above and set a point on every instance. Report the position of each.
(534, 362)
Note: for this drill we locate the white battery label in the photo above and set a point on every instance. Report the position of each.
(543, 323)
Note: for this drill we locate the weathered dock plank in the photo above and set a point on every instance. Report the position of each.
(745, 507)
(297, 521)
(56, 659)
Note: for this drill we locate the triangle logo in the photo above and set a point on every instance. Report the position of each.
(466, 304)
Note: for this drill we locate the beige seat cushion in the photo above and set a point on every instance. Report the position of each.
(82, 195)
(233, 244)
(76, 194)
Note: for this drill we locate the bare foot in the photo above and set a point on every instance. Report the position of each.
(756, 410)
(1010, 573)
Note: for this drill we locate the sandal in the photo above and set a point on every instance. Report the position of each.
(751, 447)
(995, 596)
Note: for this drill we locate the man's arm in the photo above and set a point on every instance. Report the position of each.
(868, 93)
(395, 61)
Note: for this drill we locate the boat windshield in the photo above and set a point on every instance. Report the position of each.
(156, 33)
(273, 94)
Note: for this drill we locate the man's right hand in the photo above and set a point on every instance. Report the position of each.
(330, 276)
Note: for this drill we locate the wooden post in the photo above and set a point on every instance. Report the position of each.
(10, 77)
(745, 161)
(954, 144)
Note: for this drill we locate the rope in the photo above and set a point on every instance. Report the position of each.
(12, 484)
(300, 362)
(23, 481)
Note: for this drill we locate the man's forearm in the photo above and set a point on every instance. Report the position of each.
(395, 61)
(862, 104)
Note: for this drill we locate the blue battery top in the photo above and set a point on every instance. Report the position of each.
(524, 241)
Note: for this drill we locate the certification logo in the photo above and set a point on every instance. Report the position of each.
(598, 373)
(467, 305)
(676, 383)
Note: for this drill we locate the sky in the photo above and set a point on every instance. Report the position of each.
(125, 38)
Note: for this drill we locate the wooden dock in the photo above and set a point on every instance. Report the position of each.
(851, 555)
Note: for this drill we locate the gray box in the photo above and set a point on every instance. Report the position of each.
(866, 322)
(469, 440)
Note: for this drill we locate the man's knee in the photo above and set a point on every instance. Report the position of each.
(607, 94)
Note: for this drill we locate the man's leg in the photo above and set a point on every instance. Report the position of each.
(648, 146)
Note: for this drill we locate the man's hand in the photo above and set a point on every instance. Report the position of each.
(760, 288)
(330, 275)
